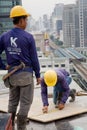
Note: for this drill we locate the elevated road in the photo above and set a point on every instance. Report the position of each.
(75, 57)
(53, 45)
(82, 71)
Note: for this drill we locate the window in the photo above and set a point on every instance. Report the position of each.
(62, 65)
(49, 65)
(43, 66)
(5, 3)
(4, 10)
(56, 65)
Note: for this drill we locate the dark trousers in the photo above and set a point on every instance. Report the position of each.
(21, 93)
(57, 90)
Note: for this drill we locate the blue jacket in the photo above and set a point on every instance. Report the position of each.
(19, 46)
(62, 75)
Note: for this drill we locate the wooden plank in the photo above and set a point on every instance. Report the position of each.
(35, 113)
(71, 109)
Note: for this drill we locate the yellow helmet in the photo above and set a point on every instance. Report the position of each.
(18, 11)
(50, 78)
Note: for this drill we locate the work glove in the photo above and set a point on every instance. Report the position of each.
(61, 106)
(45, 109)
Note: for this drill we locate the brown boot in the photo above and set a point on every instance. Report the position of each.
(21, 122)
(72, 95)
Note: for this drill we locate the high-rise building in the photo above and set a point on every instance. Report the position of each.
(82, 5)
(58, 26)
(75, 24)
(77, 36)
(46, 22)
(69, 25)
(56, 17)
(5, 21)
(58, 11)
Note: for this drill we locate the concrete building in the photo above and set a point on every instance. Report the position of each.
(82, 50)
(69, 25)
(75, 24)
(39, 39)
(82, 5)
(46, 22)
(77, 36)
(58, 11)
(5, 6)
(53, 63)
(56, 17)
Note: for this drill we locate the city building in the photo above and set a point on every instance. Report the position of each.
(77, 36)
(69, 25)
(75, 24)
(46, 22)
(5, 21)
(82, 5)
(58, 10)
(58, 26)
(56, 18)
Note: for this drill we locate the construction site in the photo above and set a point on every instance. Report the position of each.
(27, 52)
(73, 116)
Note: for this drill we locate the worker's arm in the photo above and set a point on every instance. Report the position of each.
(34, 57)
(44, 96)
(38, 81)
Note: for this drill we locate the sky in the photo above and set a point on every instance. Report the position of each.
(37, 8)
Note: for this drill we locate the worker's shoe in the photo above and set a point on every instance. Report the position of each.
(72, 95)
(21, 122)
(56, 105)
(61, 106)
(58, 100)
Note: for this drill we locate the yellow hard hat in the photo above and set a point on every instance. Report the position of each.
(50, 78)
(18, 11)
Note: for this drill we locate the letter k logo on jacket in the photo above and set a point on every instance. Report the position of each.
(13, 41)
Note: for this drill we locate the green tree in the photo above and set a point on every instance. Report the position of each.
(58, 42)
(52, 37)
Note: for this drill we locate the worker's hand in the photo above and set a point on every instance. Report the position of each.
(7, 67)
(61, 106)
(45, 109)
(38, 81)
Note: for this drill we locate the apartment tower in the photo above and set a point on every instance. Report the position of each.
(5, 7)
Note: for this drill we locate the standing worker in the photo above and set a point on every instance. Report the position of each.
(20, 50)
(60, 80)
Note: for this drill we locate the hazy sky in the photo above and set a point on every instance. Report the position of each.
(39, 7)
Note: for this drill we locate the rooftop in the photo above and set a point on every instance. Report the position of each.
(36, 111)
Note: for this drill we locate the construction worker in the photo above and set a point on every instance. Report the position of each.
(60, 80)
(19, 47)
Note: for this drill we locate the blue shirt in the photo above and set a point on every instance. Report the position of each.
(19, 46)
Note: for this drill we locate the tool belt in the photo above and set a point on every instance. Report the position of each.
(22, 65)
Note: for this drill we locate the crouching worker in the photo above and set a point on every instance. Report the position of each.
(60, 80)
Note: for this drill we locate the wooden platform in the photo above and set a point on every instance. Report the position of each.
(35, 113)
(71, 109)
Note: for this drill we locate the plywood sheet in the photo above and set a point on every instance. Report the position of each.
(71, 109)
(35, 113)
(4, 103)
